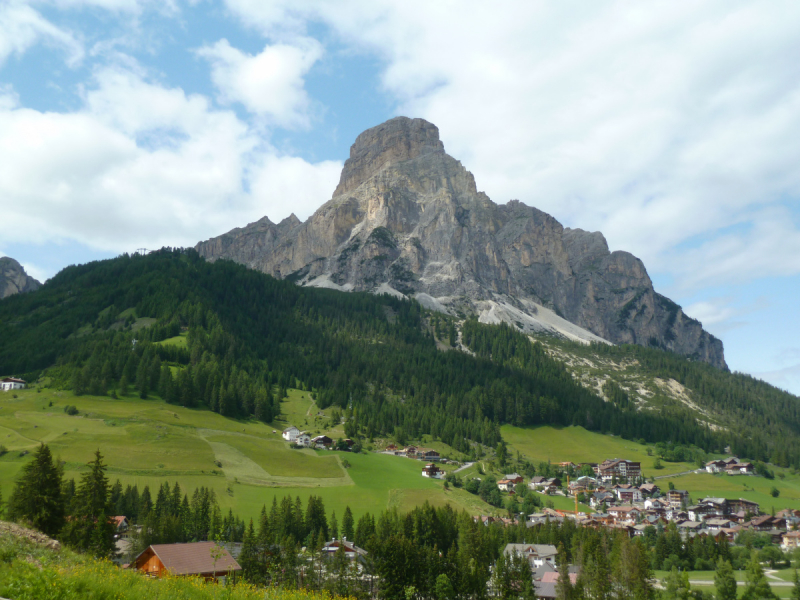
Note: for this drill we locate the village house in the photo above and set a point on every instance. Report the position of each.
(537, 554)
(765, 523)
(432, 471)
(790, 541)
(351, 551)
(715, 466)
(617, 468)
(120, 524)
(208, 560)
(504, 485)
(743, 506)
(648, 489)
(584, 483)
(625, 513)
(601, 499)
(744, 468)
(321, 441)
(545, 484)
(303, 439)
(428, 454)
(627, 493)
(290, 433)
(677, 498)
(514, 478)
(11, 383)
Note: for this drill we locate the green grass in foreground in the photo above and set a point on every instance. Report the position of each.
(30, 572)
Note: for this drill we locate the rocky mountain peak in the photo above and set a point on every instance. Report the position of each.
(407, 219)
(14, 279)
(397, 140)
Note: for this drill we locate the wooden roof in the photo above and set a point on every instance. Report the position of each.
(193, 559)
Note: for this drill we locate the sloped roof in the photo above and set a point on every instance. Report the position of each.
(194, 558)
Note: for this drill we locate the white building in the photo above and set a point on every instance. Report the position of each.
(303, 440)
(290, 433)
(11, 383)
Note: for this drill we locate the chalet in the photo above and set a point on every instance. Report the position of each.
(409, 451)
(505, 485)
(677, 498)
(567, 466)
(428, 454)
(744, 506)
(303, 439)
(321, 441)
(790, 541)
(627, 493)
(391, 448)
(648, 489)
(718, 506)
(11, 383)
(583, 483)
(432, 471)
(350, 443)
(715, 466)
(484, 519)
(701, 512)
(514, 478)
(120, 524)
(765, 523)
(290, 433)
(656, 504)
(624, 513)
(537, 554)
(618, 468)
(351, 551)
(208, 560)
(600, 499)
(744, 468)
(545, 484)
(719, 523)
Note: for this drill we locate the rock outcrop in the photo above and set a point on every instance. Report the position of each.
(14, 279)
(407, 218)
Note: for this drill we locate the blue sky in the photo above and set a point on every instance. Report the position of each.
(673, 128)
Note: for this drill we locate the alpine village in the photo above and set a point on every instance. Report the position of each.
(414, 394)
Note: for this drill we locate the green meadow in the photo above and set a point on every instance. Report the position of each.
(246, 463)
(576, 444)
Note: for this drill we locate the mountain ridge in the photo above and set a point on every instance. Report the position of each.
(407, 218)
(14, 279)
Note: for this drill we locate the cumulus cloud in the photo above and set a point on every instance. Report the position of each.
(652, 124)
(142, 165)
(271, 83)
(21, 27)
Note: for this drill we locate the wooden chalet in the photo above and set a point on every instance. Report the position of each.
(208, 560)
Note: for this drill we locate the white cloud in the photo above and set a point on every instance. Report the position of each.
(21, 27)
(652, 124)
(142, 165)
(270, 83)
(787, 378)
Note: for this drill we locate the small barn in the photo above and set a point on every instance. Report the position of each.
(199, 559)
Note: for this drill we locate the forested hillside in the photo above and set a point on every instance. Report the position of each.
(114, 324)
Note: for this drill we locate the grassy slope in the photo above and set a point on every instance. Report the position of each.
(578, 445)
(148, 442)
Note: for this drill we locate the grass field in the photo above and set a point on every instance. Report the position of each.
(246, 463)
(576, 444)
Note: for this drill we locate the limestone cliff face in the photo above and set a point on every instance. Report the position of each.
(13, 279)
(406, 217)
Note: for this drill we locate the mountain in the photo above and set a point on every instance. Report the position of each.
(407, 219)
(14, 279)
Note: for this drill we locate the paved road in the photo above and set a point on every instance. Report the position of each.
(466, 466)
(679, 474)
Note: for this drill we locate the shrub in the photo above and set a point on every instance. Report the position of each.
(71, 409)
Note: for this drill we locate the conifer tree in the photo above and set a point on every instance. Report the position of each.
(90, 528)
(724, 581)
(348, 526)
(36, 498)
(757, 585)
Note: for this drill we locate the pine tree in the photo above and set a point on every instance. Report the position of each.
(564, 588)
(757, 585)
(36, 498)
(796, 588)
(90, 528)
(348, 527)
(724, 581)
